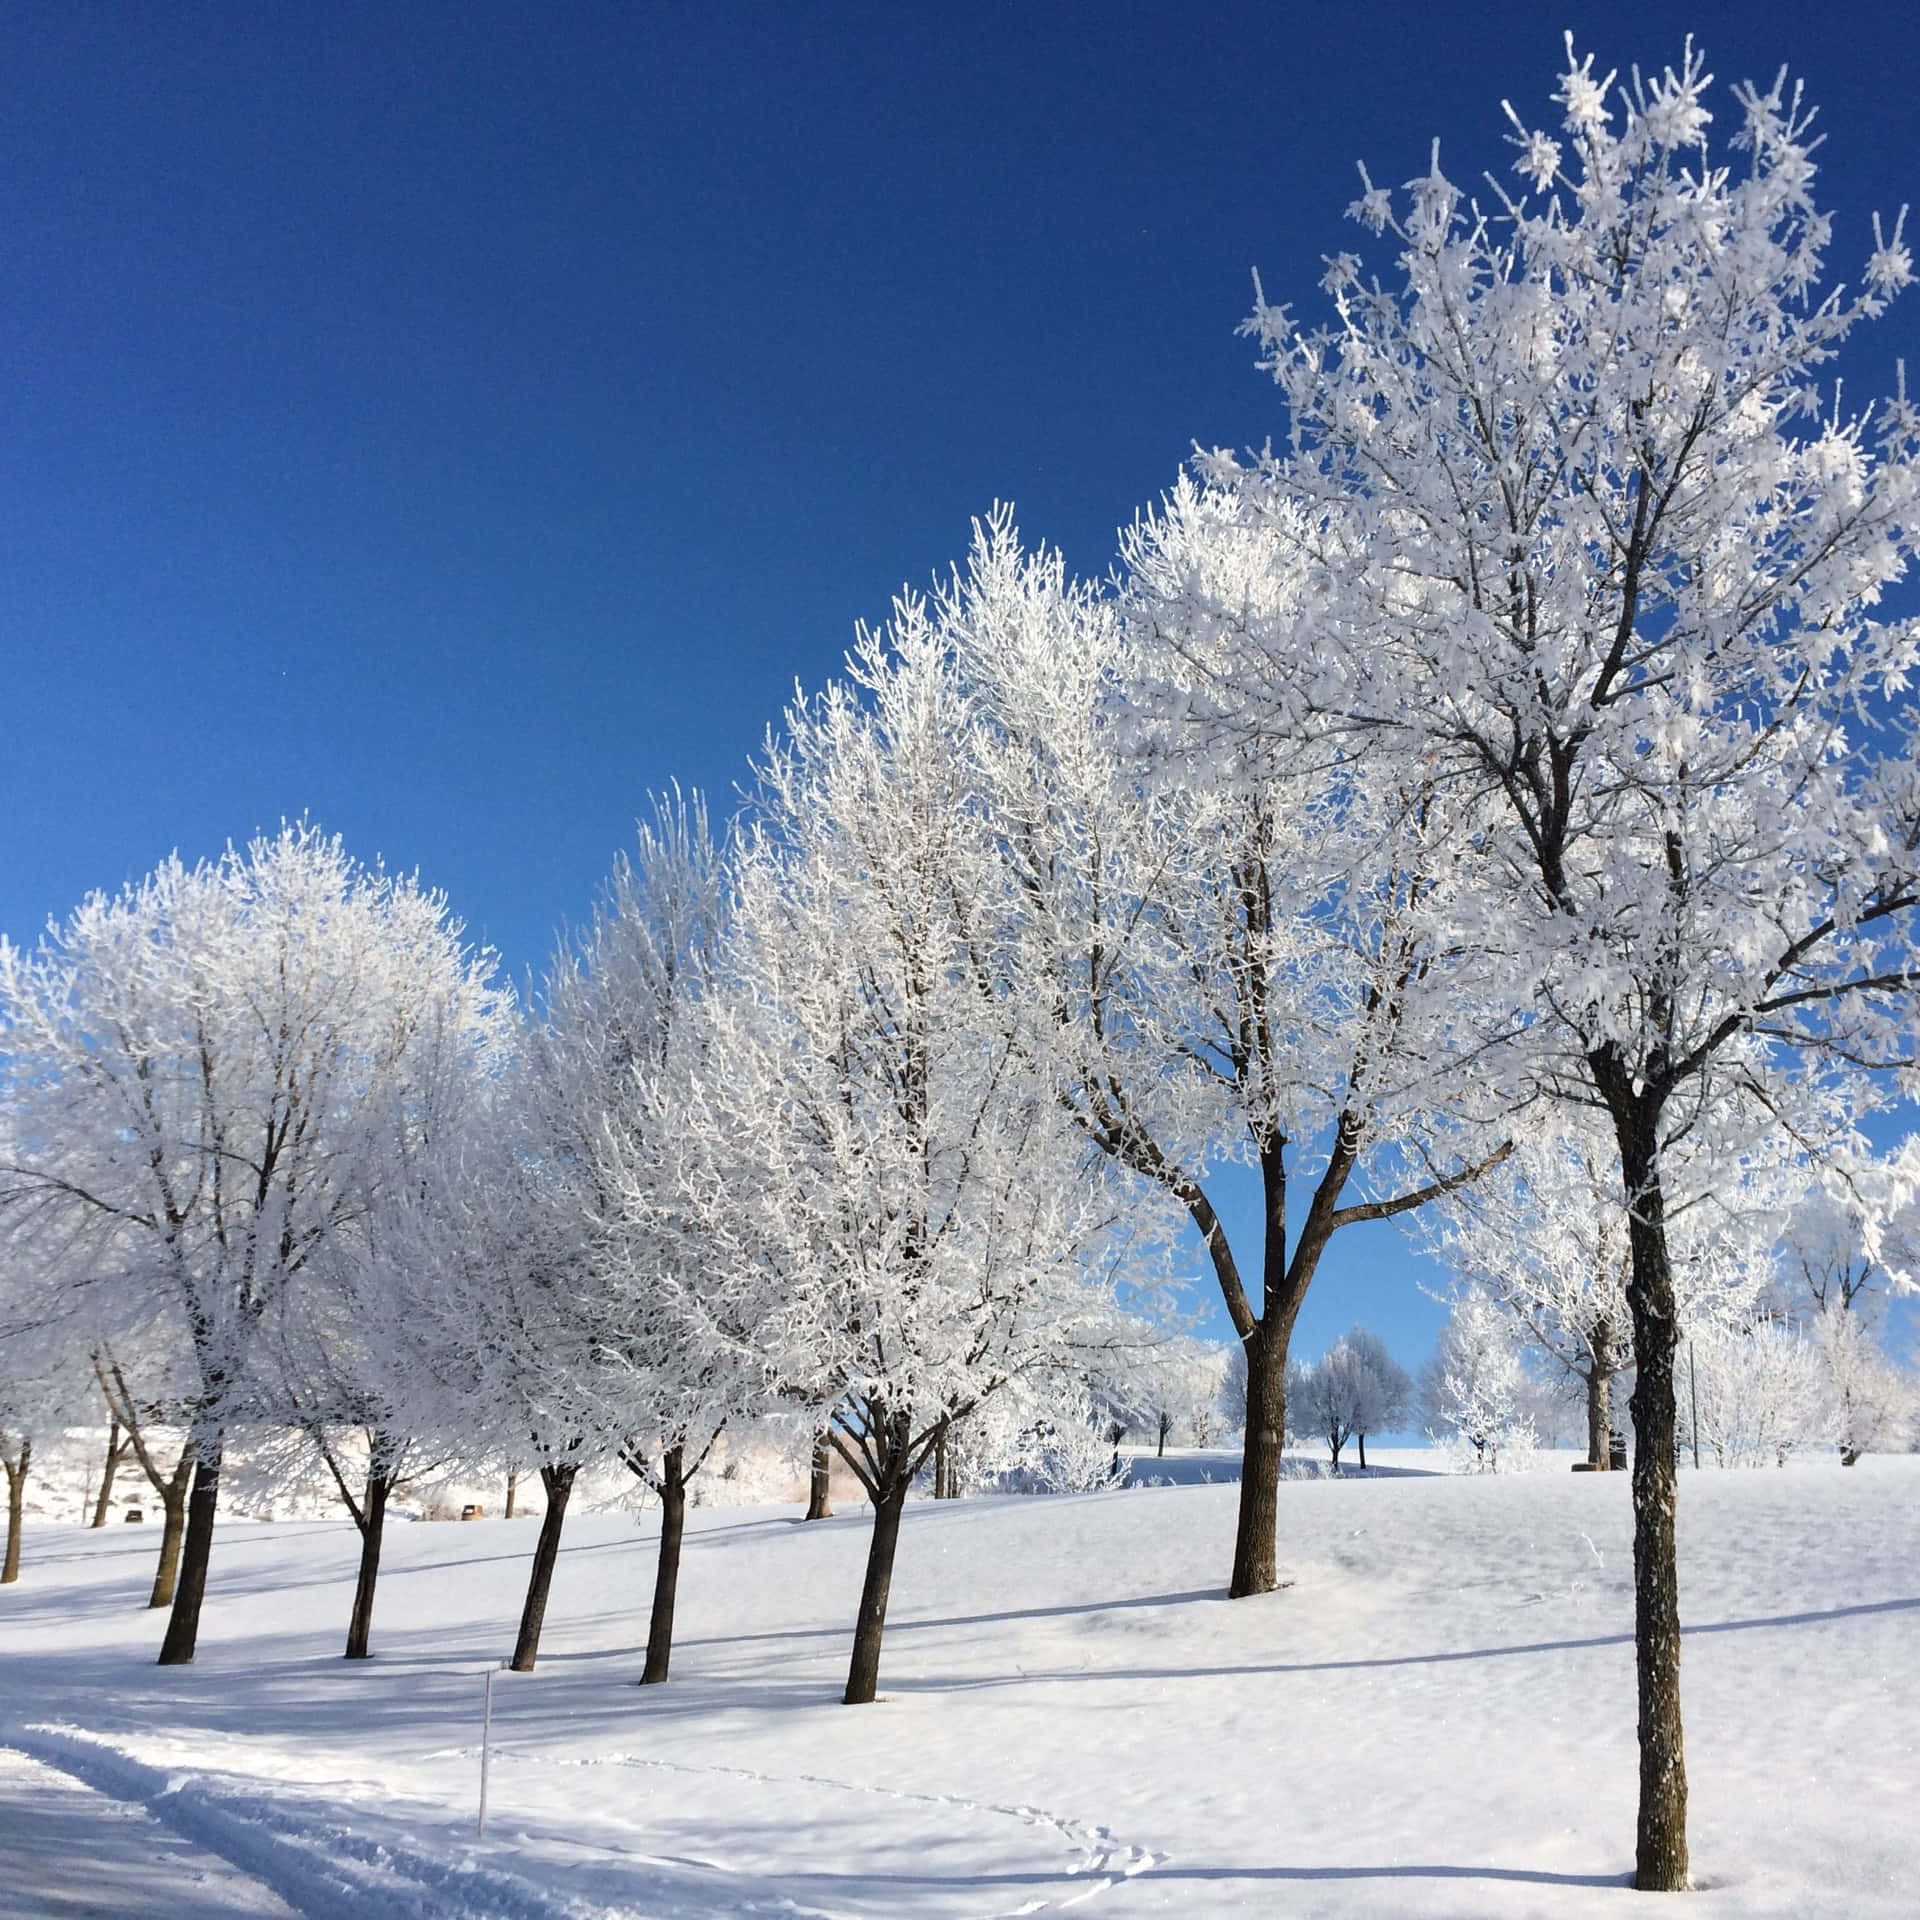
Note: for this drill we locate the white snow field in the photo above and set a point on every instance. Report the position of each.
(1436, 1717)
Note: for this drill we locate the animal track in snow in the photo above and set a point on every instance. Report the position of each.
(1104, 1859)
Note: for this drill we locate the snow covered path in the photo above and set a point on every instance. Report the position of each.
(1435, 1719)
(66, 1850)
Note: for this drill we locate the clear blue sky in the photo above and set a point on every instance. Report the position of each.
(452, 422)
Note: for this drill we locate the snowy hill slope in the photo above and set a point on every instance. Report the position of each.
(1435, 1718)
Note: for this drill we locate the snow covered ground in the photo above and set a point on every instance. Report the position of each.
(1436, 1717)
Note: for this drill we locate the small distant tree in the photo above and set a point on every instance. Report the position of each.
(1871, 1402)
(16, 1455)
(41, 1389)
(1548, 1240)
(1356, 1388)
(148, 1406)
(1760, 1393)
(1473, 1391)
(118, 1447)
(1852, 1240)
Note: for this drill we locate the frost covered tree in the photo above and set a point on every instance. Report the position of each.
(1594, 549)
(336, 1372)
(1759, 1392)
(493, 1277)
(623, 1038)
(44, 1387)
(551, 1304)
(888, 1186)
(1179, 1388)
(1240, 969)
(1852, 1240)
(336, 1359)
(206, 1074)
(1871, 1402)
(1474, 1390)
(1039, 1435)
(1355, 1388)
(1548, 1239)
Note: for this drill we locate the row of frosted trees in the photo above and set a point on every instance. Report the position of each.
(1519, 754)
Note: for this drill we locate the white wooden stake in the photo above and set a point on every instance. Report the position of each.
(486, 1742)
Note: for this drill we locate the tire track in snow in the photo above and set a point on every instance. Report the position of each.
(331, 1867)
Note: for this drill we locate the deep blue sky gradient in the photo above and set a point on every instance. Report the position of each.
(454, 422)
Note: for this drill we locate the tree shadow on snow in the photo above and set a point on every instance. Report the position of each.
(1810, 1619)
(1530, 1876)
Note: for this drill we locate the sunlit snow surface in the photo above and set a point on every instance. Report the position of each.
(1436, 1717)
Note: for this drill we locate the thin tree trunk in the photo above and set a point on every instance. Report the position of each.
(558, 1482)
(171, 1488)
(115, 1448)
(16, 1506)
(1599, 1417)
(513, 1487)
(1160, 1452)
(1661, 1838)
(173, 1507)
(863, 1675)
(943, 1488)
(373, 1519)
(1254, 1558)
(183, 1623)
(666, 1575)
(819, 1505)
(1360, 1440)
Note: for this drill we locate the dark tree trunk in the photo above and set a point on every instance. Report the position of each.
(943, 1477)
(373, 1519)
(1160, 1452)
(863, 1676)
(666, 1574)
(16, 1506)
(173, 1509)
(115, 1448)
(1360, 1440)
(1661, 1840)
(513, 1487)
(558, 1482)
(819, 1505)
(1333, 1447)
(1254, 1561)
(183, 1623)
